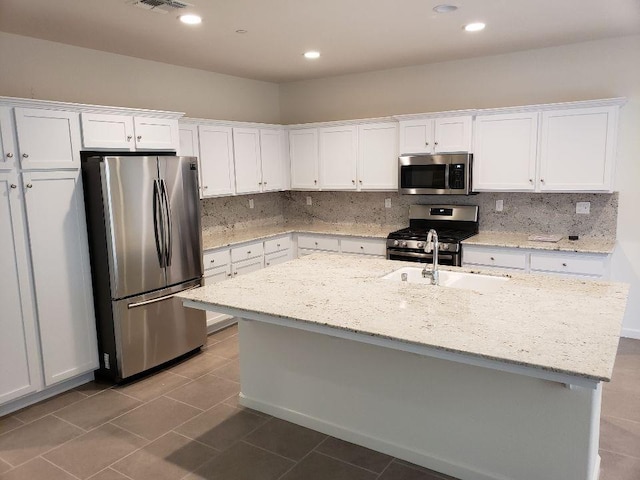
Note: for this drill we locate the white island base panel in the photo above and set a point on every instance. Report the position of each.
(471, 422)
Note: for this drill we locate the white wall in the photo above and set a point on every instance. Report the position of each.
(33, 68)
(601, 69)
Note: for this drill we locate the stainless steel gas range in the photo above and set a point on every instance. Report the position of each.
(453, 223)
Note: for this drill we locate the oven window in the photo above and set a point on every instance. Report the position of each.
(423, 176)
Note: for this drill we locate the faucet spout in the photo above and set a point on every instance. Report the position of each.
(431, 245)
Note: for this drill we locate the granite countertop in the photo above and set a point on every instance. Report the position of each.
(216, 239)
(559, 325)
(520, 240)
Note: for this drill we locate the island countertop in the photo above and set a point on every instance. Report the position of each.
(559, 325)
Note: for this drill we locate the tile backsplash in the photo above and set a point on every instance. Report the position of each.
(523, 212)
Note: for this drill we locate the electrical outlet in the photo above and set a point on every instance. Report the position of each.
(309, 201)
(251, 203)
(499, 205)
(387, 203)
(583, 208)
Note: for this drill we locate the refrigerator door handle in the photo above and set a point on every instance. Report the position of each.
(159, 299)
(158, 223)
(168, 230)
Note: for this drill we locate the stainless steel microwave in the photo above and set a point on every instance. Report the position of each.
(440, 174)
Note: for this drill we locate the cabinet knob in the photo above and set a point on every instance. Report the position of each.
(259, 183)
(361, 247)
(129, 137)
(228, 274)
(315, 182)
(25, 155)
(531, 180)
(435, 143)
(9, 155)
(264, 183)
(268, 263)
(139, 137)
(235, 273)
(360, 182)
(564, 264)
(426, 143)
(492, 258)
(353, 181)
(13, 185)
(212, 261)
(205, 187)
(316, 243)
(278, 244)
(542, 180)
(29, 185)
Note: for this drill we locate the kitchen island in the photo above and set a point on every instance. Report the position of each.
(478, 385)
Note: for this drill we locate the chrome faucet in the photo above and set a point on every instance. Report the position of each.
(432, 245)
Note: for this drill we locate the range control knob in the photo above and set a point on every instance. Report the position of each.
(445, 246)
(403, 244)
(396, 243)
(420, 245)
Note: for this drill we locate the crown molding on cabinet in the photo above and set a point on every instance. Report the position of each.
(229, 123)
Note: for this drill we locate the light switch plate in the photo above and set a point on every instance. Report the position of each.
(251, 203)
(309, 201)
(387, 203)
(499, 205)
(583, 208)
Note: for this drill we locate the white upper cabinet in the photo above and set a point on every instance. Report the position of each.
(126, 132)
(303, 149)
(7, 142)
(48, 139)
(578, 149)
(246, 153)
(378, 156)
(188, 141)
(436, 135)
(217, 175)
(273, 159)
(338, 157)
(505, 152)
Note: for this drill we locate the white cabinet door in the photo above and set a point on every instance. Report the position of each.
(48, 139)
(61, 273)
(276, 258)
(273, 159)
(7, 142)
(19, 359)
(188, 141)
(578, 149)
(416, 136)
(247, 266)
(216, 160)
(107, 131)
(246, 153)
(216, 275)
(338, 157)
(156, 133)
(378, 156)
(505, 152)
(303, 148)
(452, 134)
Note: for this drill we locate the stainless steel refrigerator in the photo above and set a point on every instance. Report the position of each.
(143, 217)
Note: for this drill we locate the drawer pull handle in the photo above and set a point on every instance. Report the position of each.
(25, 155)
(139, 137)
(228, 274)
(129, 137)
(491, 258)
(248, 252)
(212, 261)
(29, 185)
(316, 243)
(353, 181)
(13, 185)
(426, 143)
(268, 264)
(564, 264)
(361, 247)
(9, 155)
(436, 143)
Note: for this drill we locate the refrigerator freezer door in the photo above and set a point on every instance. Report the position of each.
(179, 184)
(131, 191)
(154, 328)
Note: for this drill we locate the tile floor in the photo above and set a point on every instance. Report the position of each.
(185, 423)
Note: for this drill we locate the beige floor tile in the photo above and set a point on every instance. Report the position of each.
(223, 334)
(221, 426)
(320, 467)
(37, 469)
(620, 403)
(87, 455)
(406, 471)
(234, 401)
(156, 418)
(285, 438)
(48, 406)
(94, 387)
(108, 474)
(205, 392)
(243, 462)
(152, 386)
(9, 423)
(227, 348)
(97, 409)
(4, 466)
(620, 436)
(619, 467)
(355, 454)
(629, 346)
(35, 438)
(199, 365)
(171, 457)
(230, 371)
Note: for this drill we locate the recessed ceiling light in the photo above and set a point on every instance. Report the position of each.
(445, 8)
(190, 19)
(241, 31)
(474, 27)
(311, 54)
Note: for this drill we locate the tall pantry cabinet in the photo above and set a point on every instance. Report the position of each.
(47, 318)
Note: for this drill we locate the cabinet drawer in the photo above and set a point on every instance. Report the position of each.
(275, 258)
(495, 258)
(247, 251)
(318, 243)
(218, 274)
(569, 264)
(215, 258)
(277, 244)
(367, 246)
(247, 266)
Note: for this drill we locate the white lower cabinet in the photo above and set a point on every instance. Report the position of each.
(365, 246)
(318, 242)
(247, 266)
(275, 258)
(569, 264)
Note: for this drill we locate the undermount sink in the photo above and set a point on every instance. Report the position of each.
(468, 281)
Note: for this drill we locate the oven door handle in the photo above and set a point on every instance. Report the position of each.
(419, 255)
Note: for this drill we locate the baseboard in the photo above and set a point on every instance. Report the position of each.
(437, 464)
(219, 322)
(596, 471)
(630, 333)
(44, 394)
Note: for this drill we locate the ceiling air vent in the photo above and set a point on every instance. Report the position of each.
(160, 6)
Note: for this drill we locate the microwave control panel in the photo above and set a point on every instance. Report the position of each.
(456, 176)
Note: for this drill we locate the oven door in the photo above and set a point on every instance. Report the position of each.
(423, 174)
(452, 259)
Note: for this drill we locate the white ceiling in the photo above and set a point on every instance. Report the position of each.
(353, 35)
